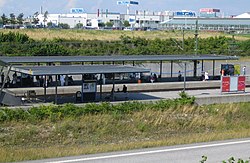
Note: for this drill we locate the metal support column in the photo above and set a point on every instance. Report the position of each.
(213, 68)
(44, 86)
(160, 68)
(113, 89)
(101, 87)
(171, 69)
(185, 73)
(195, 68)
(56, 91)
(202, 65)
(82, 88)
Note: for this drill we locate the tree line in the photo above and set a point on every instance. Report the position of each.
(14, 20)
(19, 20)
(16, 44)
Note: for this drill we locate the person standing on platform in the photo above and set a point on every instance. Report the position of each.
(222, 72)
(2, 78)
(8, 82)
(62, 80)
(206, 76)
(125, 90)
(14, 79)
(244, 70)
(179, 76)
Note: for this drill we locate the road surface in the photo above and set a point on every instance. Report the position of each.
(215, 151)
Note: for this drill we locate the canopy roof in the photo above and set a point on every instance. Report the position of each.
(77, 69)
(64, 59)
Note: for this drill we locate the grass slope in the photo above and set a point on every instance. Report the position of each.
(155, 125)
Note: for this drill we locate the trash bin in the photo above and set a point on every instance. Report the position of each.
(78, 96)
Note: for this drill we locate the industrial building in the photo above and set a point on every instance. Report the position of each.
(208, 19)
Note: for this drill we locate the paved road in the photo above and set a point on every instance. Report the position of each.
(215, 151)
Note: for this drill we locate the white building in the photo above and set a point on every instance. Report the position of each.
(244, 15)
(166, 19)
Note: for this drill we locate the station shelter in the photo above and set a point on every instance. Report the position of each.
(89, 65)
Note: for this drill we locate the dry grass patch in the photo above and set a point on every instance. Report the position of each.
(73, 34)
(8, 154)
(105, 132)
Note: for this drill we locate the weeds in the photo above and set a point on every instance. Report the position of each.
(230, 160)
(106, 127)
(57, 113)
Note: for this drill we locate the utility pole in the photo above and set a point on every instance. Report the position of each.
(183, 40)
(185, 75)
(196, 47)
(196, 37)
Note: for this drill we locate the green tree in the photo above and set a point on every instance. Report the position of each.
(101, 24)
(1, 22)
(20, 18)
(35, 19)
(4, 19)
(126, 23)
(63, 26)
(45, 17)
(109, 24)
(12, 19)
(79, 25)
(49, 24)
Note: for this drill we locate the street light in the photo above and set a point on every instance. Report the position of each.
(185, 73)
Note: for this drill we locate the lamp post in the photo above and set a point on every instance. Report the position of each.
(185, 73)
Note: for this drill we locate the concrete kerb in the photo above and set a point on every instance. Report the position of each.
(222, 99)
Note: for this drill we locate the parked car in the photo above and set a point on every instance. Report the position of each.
(128, 29)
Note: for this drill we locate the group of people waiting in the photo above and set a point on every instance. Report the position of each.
(45, 81)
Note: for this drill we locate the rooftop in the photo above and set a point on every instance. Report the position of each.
(119, 58)
(77, 69)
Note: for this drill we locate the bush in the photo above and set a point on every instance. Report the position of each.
(55, 113)
(18, 44)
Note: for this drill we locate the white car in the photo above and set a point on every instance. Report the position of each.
(128, 29)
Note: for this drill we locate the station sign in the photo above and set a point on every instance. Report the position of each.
(233, 83)
(185, 13)
(209, 10)
(134, 3)
(127, 3)
(77, 10)
(241, 83)
(225, 87)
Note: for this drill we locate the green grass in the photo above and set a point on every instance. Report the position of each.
(111, 131)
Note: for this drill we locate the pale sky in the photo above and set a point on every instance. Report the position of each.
(29, 7)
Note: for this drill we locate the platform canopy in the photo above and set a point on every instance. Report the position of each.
(119, 58)
(77, 69)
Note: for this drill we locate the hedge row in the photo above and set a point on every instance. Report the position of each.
(20, 44)
(54, 112)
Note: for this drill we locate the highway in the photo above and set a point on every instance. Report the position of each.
(215, 151)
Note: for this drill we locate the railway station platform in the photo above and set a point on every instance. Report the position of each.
(206, 92)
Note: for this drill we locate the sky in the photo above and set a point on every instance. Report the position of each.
(29, 7)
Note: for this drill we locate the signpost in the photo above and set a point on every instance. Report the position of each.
(77, 10)
(233, 83)
(128, 3)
